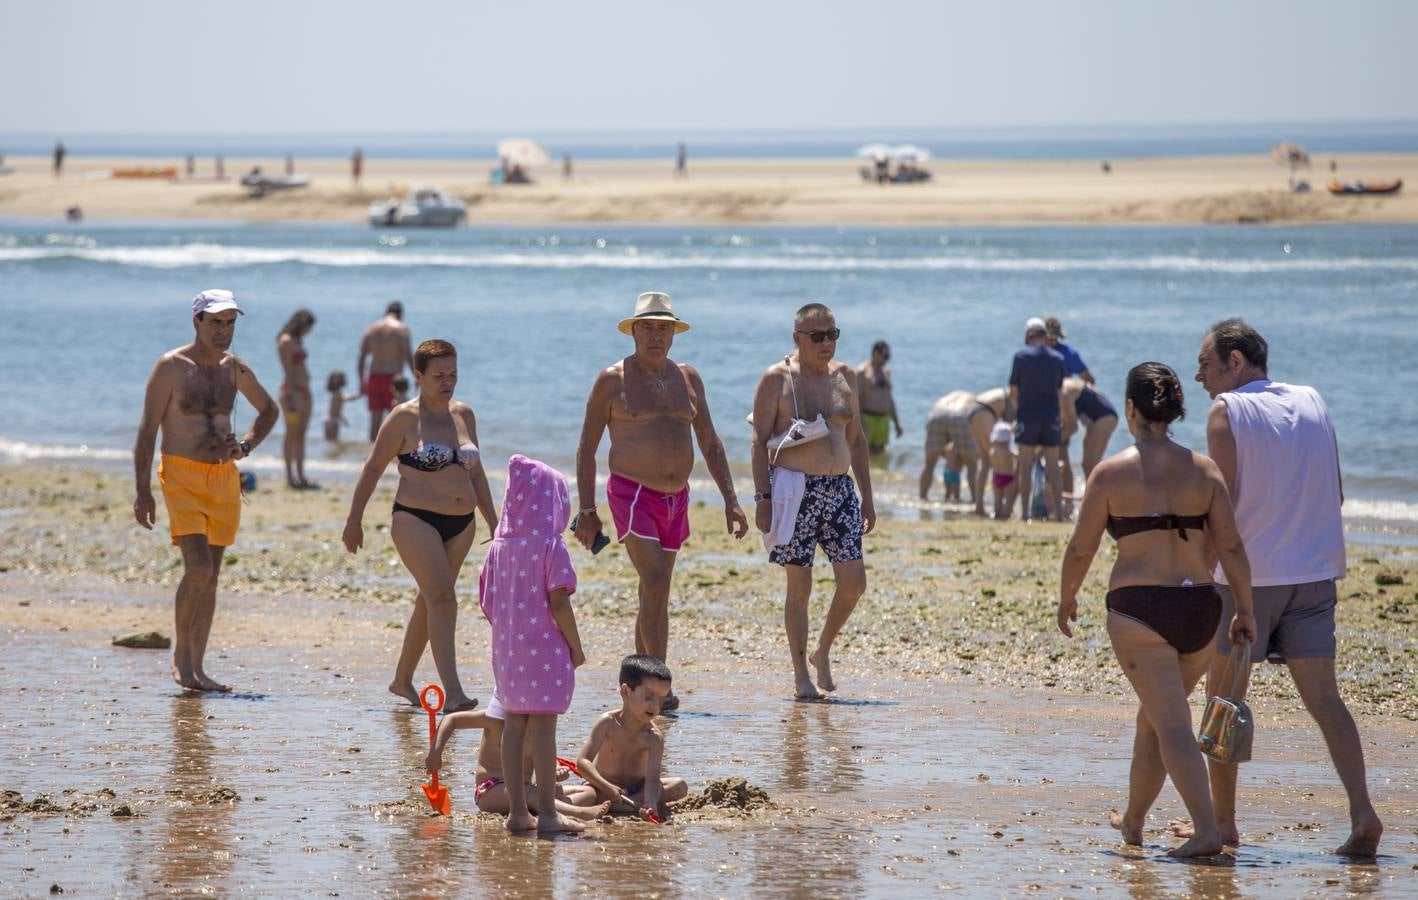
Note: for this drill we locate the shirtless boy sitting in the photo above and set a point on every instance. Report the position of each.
(578, 801)
(621, 758)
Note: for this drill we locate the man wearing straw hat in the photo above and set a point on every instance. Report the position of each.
(652, 405)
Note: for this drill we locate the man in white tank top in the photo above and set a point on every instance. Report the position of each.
(1276, 447)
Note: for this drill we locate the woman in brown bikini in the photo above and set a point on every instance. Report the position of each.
(1161, 502)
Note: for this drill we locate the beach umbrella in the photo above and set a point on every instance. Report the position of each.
(873, 151)
(1292, 155)
(523, 152)
(910, 153)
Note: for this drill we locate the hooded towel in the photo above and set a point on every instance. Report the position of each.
(531, 661)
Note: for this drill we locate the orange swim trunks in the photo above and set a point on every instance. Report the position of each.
(201, 498)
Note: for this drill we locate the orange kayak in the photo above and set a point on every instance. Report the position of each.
(146, 172)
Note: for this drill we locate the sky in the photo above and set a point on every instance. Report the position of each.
(154, 66)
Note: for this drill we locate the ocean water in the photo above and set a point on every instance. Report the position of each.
(88, 308)
(1056, 142)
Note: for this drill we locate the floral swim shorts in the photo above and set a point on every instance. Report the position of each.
(830, 515)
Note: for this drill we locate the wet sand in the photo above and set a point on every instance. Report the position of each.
(973, 747)
(1237, 189)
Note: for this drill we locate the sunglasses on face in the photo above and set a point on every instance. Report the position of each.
(818, 337)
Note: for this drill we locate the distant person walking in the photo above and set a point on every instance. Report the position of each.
(878, 407)
(59, 153)
(1036, 393)
(357, 166)
(655, 409)
(681, 160)
(1276, 447)
(566, 167)
(290, 164)
(296, 399)
(1166, 507)
(189, 398)
(220, 166)
(384, 351)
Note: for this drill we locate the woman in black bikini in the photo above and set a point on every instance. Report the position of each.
(295, 394)
(1161, 502)
(442, 487)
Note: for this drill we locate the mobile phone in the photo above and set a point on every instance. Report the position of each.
(598, 543)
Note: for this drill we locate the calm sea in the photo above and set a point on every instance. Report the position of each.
(88, 308)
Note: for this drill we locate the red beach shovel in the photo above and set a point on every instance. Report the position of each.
(437, 795)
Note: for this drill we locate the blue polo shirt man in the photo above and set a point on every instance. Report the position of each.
(1036, 389)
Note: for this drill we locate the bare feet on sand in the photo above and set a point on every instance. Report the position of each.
(1183, 828)
(556, 824)
(406, 691)
(1364, 836)
(1132, 831)
(589, 813)
(807, 690)
(1198, 845)
(823, 665)
(519, 822)
(198, 681)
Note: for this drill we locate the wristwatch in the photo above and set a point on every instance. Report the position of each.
(762, 495)
(245, 448)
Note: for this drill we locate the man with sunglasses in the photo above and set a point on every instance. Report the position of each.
(803, 494)
(877, 405)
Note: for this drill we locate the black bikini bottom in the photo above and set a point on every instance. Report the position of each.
(1185, 617)
(448, 527)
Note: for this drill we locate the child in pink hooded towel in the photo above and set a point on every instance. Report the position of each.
(525, 590)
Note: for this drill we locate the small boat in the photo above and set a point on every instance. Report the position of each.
(423, 207)
(1366, 187)
(259, 184)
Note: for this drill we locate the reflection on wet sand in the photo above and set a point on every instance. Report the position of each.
(196, 851)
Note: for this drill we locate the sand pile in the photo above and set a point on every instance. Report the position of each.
(734, 794)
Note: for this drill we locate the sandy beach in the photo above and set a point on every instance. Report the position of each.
(971, 746)
(1243, 189)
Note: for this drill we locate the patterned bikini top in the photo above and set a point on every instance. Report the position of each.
(433, 457)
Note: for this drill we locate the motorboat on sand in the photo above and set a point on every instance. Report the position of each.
(422, 207)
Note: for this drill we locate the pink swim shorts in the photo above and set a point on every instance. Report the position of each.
(649, 514)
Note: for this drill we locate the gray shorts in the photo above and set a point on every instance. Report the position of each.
(943, 429)
(1293, 621)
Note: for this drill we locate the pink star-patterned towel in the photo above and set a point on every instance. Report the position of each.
(531, 661)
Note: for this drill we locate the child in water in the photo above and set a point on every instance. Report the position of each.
(336, 416)
(491, 792)
(400, 384)
(1003, 461)
(525, 592)
(622, 757)
(951, 476)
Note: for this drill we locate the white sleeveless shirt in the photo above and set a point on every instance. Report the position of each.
(1287, 492)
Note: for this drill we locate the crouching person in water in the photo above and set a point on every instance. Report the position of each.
(622, 757)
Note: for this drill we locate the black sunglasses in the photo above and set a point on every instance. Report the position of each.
(818, 337)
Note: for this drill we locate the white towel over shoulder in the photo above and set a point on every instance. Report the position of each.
(788, 486)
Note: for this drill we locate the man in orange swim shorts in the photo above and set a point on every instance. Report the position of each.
(190, 396)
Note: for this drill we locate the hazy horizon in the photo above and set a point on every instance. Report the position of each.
(439, 66)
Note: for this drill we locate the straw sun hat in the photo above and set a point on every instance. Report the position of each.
(653, 306)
